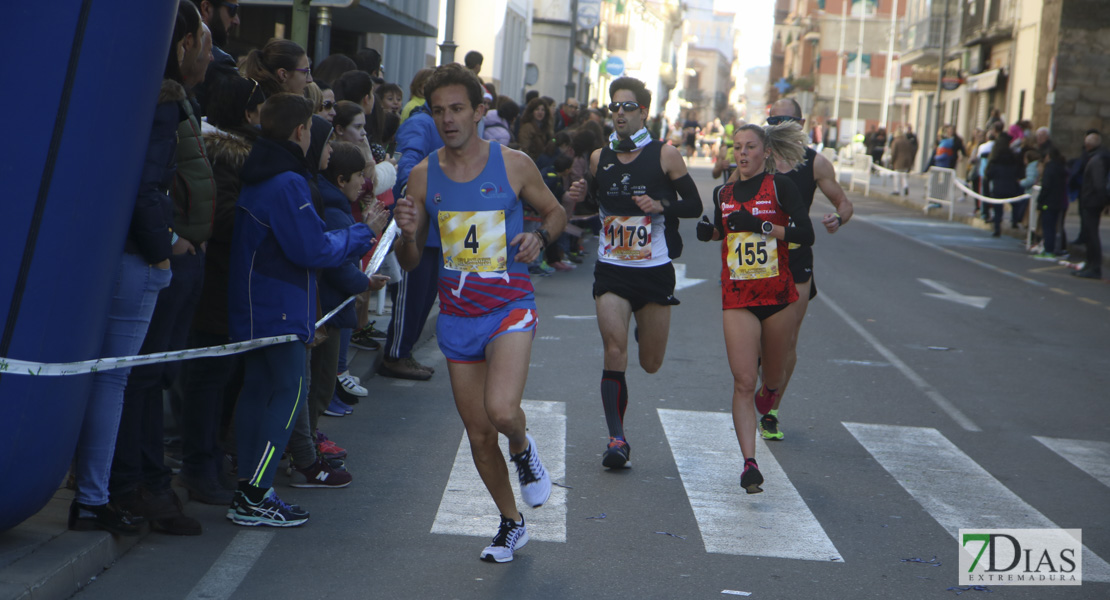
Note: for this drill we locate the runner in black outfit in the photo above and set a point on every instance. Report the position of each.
(642, 188)
(815, 172)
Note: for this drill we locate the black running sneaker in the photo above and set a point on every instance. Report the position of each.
(511, 536)
(751, 479)
(616, 454)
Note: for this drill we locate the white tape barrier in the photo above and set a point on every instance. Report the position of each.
(24, 367)
(968, 191)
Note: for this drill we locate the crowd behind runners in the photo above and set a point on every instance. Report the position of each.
(266, 186)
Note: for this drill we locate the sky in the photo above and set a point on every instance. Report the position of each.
(756, 20)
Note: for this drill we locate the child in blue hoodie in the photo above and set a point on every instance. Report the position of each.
(278, 243)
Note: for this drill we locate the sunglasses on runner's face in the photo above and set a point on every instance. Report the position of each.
(782, 119)
(627, 106)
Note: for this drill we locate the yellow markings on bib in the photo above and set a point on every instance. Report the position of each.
(752, 257)
(626, 238)
(474, 241)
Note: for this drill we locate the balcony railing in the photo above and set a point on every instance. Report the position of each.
(986, 21)
(926, 34)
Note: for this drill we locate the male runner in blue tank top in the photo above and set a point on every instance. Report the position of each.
(815, 172)
(642, 188)
(467, 195)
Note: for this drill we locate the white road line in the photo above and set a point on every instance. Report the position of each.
(953, 488)
(774, 523)
(575, 318)
(974, 261)
(466, 507)
(950, 409)
(232, 566)
(1090, 456)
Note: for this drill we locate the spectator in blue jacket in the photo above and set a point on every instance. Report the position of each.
(278, 243)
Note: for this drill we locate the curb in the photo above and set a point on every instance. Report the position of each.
(56, 563)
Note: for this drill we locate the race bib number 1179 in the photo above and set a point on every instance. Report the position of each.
(626, 238)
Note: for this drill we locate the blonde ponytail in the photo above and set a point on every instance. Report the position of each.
(784, 141)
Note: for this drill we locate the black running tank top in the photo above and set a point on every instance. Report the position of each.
(803, 178)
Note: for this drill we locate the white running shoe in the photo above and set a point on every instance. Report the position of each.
(351, 385)
(510, 537)
(535, 484)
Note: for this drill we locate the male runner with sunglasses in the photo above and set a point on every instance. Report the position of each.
(642, 188)
(815, 172)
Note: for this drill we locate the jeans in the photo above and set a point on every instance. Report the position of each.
(1049, 219)
(274, 391)
(139, 443)
(1088, 222)
(344, 348)
(136, 290)
(202, 391)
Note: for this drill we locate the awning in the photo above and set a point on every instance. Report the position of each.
(987, 80)
(364, 16)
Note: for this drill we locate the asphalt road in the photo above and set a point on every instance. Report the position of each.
(915, 410)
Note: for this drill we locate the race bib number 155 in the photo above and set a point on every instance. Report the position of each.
(752, 257)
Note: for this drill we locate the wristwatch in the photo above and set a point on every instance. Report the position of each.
(767, 227)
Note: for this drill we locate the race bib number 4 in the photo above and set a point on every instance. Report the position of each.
(626, 238)
(752, 257)
(473, 241)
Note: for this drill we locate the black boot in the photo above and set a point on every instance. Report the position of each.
(107, 517)
(164, 511)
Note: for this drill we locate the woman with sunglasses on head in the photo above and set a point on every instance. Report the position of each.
(755, 216)
(642, 187)
(280, 66)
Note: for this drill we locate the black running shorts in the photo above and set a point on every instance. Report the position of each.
(639, 285)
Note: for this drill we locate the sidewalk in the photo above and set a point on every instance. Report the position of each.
(40, 559)
(882, 188)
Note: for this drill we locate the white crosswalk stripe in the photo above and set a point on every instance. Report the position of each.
(774, 523)
(1090, 456)
(466, 507)
(953, 488)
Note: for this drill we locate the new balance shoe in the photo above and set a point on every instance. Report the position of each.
(751, 478)
(352, 387)
(270, 512)
(535, 484)
(511, 536)
(616, 454)
(765, 400)
(769, 426)
(320, 474)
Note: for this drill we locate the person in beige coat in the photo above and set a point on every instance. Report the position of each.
(903, 150)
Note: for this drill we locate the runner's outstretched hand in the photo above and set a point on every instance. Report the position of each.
(743, 220)
(529, 246)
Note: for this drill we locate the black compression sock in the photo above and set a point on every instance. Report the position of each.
(253, 493)
(614, 399)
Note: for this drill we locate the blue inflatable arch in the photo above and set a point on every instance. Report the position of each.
(81, 81)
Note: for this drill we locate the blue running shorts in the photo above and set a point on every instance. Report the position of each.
(464, 339)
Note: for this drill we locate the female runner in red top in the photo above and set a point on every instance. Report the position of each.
(756, 215)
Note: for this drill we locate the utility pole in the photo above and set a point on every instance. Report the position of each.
(889, 68)
(859, 69)
(570, 52)
(299, 23)
(447, 48)
(840, 69)
(941, 61)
